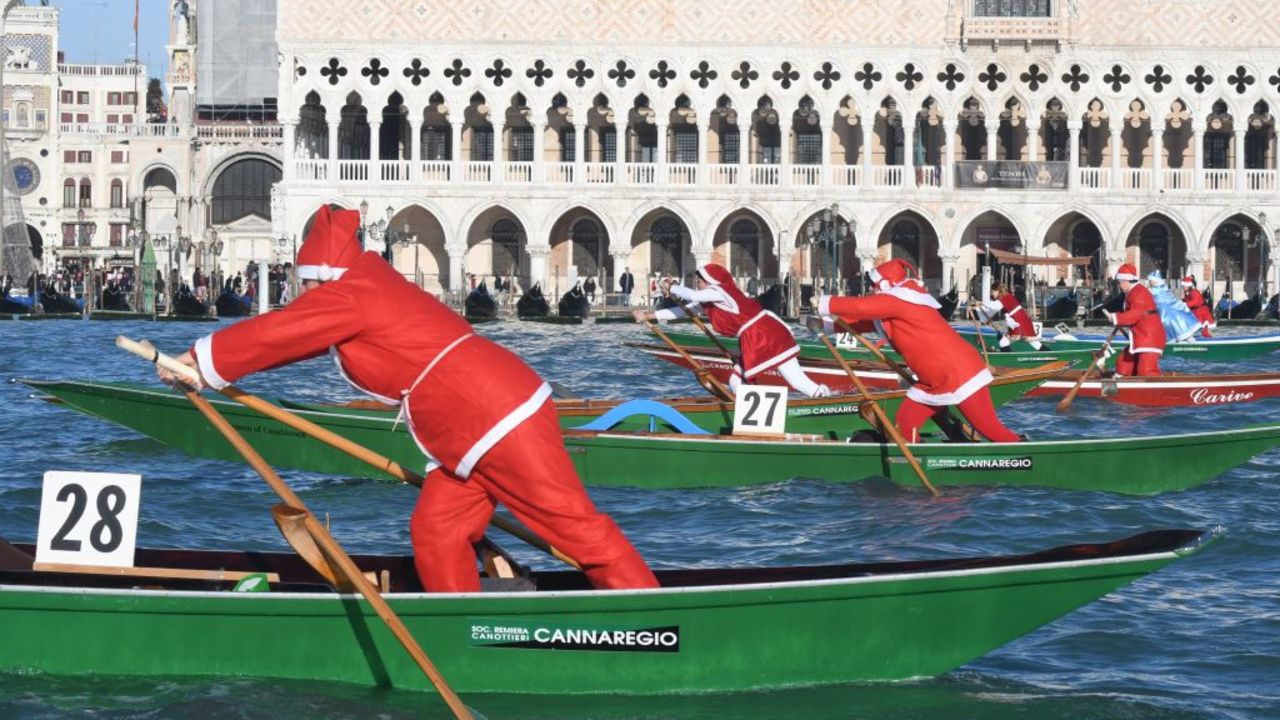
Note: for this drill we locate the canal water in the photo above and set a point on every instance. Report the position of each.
(1200, 639)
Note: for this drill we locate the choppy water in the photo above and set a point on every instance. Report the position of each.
(1200, 639)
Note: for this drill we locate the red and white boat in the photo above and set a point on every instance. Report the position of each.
(1168, 390)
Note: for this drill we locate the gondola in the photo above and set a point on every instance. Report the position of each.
(532, 304)
(949, 303)
(116, 298)
(185, 303)
(1235, 347)
(574, 303)
(479, 305)
(771, 299)
(55, 302)
(728, 629)
(229, 304)
(1063, 306)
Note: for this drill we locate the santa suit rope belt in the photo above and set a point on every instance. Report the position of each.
(404, 394)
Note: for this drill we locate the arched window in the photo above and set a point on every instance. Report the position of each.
(1228, 252)
(1086, 241)
(117, 193)
(1153, 248)
(507, 238)
(666, 246)
(904, 242)
(160, 177)
(69, 193)
(86, 193)
(23, 115)
(244, 189)
(586, 247)
(744, 249)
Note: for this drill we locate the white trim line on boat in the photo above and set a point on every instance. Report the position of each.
(1151, 385)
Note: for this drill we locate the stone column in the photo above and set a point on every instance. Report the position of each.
(1114, 260)
(620, 148)
(333, 120)
(784, 133)
(1116, 181)
(1197, 133)
(1239, 157)
(414, 146)
(499, 152)
(455, 155)
(949, 163)
(701, 254)
(867, 257)
(290, 151)
(949, 261)
(1073, 153)
(1157, 157)
(1195, 266)
(539, 151)
(580, 152)
(1033, 139)
(744, 151)
(455, 269)
(660, 167)
(538, 264)
(908, 154)
(704, 136)
(993, 139)
(375, 151)
(621, 259)
(824, 162)
(868, 135)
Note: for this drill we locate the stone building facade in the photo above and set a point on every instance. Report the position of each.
(554, 140)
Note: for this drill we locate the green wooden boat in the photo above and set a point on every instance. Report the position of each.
(168, 417)
(1132, 465)
(815, 350)
(1212, 349)
(705, 630)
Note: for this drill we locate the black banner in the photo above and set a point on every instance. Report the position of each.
(1011, 174)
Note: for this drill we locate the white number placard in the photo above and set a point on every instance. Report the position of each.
(760, 410)
(88, 518)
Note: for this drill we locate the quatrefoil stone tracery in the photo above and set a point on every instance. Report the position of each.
(785, 75)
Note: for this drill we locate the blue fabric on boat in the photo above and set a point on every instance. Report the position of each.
(1179, 322)
(652, 408)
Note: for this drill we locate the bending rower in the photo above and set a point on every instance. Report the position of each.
(1142, 323)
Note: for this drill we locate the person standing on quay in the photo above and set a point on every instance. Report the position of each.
(626, 284)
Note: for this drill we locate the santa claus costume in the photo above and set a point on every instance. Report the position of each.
(1141, 321)
(484, 419)
(949, 371)
(763, 338)
(1195, 302)
(1016, 317)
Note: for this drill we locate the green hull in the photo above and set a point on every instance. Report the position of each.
(1133, 465)
(814, 350)
(709, 630)
(169, 418)
(1209, 349)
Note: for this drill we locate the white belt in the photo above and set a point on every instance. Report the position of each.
(404, 394)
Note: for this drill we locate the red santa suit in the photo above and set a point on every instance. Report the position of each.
(1142, 323)
(481, 415)
(764, 340)
(949, 371)
(1195, 302)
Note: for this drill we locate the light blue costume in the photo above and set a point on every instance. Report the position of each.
(1180, 324)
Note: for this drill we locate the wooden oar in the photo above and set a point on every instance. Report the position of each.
(332, 550)
(890, 429)
(334, 440)
(977, 329)
(697, 320)
(1099, 359)
(948, 420)
(705, 378)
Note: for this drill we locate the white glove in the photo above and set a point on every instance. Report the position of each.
(1111, 317)
(1004, 341)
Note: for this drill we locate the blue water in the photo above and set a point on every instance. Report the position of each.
(1200, 639)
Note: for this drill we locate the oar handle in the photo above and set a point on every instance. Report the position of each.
(148, 352)
(1065, 403)
(705, 378)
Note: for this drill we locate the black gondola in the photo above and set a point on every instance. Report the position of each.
(1245, 310)
(949, 303)
(229, 304)
(116, 298)
(1272, 311)
(185, 303)
(55, 302)
(574, 303)
(771, 299)
(1061, 306)
(532, 304)
(480, 305)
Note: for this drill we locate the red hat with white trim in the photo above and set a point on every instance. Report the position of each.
(1188, 281)
(331, 246)
(891, 274)
(1127, 272)
(715, 274)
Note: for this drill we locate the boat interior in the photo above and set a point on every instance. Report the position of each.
(203, 570)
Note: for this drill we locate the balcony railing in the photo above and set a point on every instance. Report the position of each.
(716, 175)
(126, 70)
(238, 133)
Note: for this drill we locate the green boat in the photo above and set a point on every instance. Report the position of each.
(815, 350)
(162, 414)
(1131, 465)
(705, 630)
(1212, 349)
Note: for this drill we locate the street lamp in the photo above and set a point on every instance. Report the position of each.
(829, 232)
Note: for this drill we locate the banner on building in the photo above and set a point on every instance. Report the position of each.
(1011, 174)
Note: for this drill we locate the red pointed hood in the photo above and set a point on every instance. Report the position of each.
(331, 247)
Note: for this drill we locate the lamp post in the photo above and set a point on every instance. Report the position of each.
(215, 249)
(829, 232)
(373, 232)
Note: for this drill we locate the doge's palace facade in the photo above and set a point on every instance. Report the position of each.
(566, 139)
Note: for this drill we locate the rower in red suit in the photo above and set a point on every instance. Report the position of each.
(949, 371)
(1142, 323)
(1019, 322)
(763, 338)
(483, 418)
(1195, 302)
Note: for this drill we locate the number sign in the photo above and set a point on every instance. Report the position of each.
(760, 410)
(88, 518)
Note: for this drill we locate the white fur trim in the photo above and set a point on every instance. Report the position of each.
(959, 395)
(824, 305)
(912, 296)
(1127, 276)
(323, 273)
(706, 276)
(772, 362)
(204, 358)
(501, 429)
(667, 314)
(876, 277)
(1136, 350)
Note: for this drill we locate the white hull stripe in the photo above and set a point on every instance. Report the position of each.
(204, 358)
(1136, 385)
(959, 395)
(499, 431)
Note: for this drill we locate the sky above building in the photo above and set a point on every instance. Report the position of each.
(101, 31)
